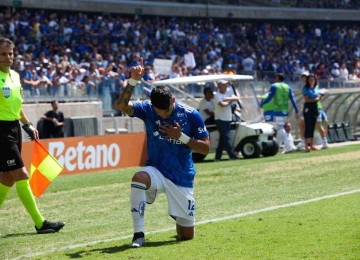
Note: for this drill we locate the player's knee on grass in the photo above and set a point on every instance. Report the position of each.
(142, 177)
(185, 233)
(185, 229)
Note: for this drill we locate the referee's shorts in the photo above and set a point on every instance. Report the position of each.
(10, 146)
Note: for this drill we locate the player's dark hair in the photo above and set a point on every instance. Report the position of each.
(280, 76)
(161, 97)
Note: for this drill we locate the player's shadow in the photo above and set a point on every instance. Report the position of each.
(18, 235)
(117, 249)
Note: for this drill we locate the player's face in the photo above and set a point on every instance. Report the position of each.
(6, 56)
(165, 113)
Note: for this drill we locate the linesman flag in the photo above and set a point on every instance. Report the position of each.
(43, 169)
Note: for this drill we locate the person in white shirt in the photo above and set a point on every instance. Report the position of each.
(289, 145)
(335, 72)
(344, 72)
(223, 117)
(206, 106)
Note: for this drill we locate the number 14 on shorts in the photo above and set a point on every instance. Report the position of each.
(191, 207)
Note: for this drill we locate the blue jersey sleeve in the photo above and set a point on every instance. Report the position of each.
(141, 109)
(293, 101)
(198, 129)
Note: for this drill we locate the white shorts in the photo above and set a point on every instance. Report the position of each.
(181, 200)
(278, 122)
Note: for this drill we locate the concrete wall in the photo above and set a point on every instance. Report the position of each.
(70, 109)
(191, 10)
(86, 109)
(35, 111)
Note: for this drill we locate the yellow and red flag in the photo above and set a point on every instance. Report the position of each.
(43, 169)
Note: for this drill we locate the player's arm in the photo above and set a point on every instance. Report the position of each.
(200, 145)
(269, 96)
(208, 112)
(232, 98)
(293, 101)
(27, 123)
(123, 103)
(308, 99)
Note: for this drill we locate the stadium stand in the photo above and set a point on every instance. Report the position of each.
(87, 55)
(331, 4)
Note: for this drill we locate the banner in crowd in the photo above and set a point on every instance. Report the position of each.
(162, 66)
(189, 60)
(93, 153)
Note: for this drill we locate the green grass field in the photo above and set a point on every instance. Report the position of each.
(293, 206)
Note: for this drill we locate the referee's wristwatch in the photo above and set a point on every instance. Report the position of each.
(28, 124)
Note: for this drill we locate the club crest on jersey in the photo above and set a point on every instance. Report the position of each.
(6, 91)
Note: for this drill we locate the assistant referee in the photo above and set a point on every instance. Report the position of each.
(12, 170)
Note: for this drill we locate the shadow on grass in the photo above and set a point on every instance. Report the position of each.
(222, 160)
(117, 249)
(18, 235)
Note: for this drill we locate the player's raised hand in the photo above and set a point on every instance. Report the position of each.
(137, 72)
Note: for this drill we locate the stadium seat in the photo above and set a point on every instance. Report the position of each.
(348, 132)
(331, 134)
(340, 132)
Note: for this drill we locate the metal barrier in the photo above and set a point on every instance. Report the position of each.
(82, 126)
(341, 103)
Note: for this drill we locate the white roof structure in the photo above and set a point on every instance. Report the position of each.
(201, 79)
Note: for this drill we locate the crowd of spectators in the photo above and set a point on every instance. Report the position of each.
(68, 53)
(331, 4)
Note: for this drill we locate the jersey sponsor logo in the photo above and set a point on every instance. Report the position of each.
(6, 91)
(180, 114)
(202, 130)
(171, 140)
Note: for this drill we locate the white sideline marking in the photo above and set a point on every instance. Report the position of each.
(198, 223)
